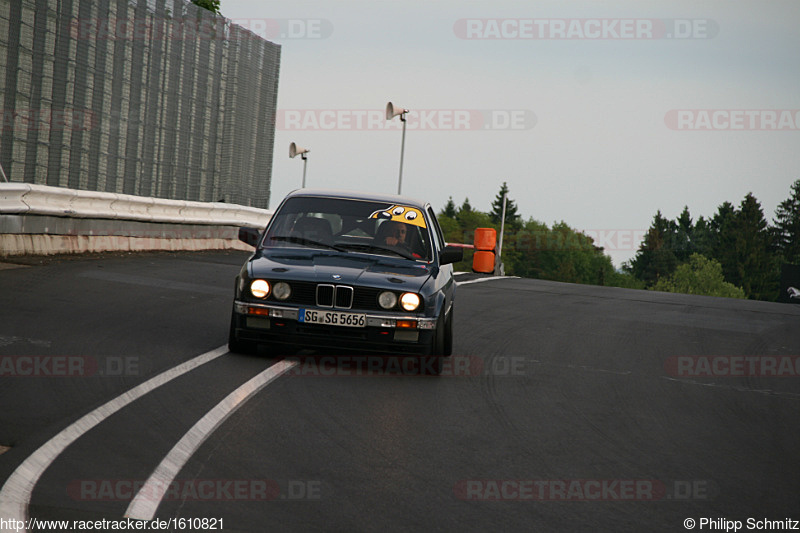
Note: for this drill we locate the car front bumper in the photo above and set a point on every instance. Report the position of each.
(383, 333)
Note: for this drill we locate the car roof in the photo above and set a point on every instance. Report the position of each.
(359, 195)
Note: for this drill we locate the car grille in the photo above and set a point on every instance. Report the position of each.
(325, 295)
(344, 297)
(303, 293)
(338, 296)
(366, 298)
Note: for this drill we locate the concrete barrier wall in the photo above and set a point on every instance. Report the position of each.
(43, 220)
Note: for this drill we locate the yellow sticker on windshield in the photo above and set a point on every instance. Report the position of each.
(401, 213)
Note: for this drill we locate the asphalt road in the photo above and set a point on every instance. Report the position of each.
(566, 408)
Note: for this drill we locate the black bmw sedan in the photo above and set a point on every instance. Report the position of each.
(346, 270)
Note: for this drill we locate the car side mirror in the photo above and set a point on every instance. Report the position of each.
(450, 254)
(249, 236)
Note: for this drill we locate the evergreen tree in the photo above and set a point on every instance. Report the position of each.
(703, 237)
(722, 240)
(787, 227)
(449, 209)
(738, 239)
(513, 219)
(756, 265)
(469, 219)
(684, 236)
(656, 257)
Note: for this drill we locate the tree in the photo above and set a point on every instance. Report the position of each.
(656, 257)
(211, 5)
(614, 278)
(533, 250)
(468, 219)
(748, 251)
(522, 256)
(449, 209)
(722, 239)
(684, 236)
(756, 265)
(699, 276)
(787, 227)
(559, 254)
(703, 237)
(513, 219)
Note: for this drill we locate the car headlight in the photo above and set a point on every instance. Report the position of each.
(281, 290)
(259, 288)
(409, 301)
(387, 299)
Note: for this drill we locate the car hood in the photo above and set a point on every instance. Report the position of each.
(354, 269)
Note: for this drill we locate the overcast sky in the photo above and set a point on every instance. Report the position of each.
(595, 113)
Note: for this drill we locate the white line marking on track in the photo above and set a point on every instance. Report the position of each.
(481, 280)
(769, 392)
(15, 496)
(147, 500)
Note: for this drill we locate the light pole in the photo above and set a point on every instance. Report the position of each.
(391, 112)
(498, 265)
(294, 151)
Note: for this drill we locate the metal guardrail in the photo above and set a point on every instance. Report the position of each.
(30, 199)
(44, 220)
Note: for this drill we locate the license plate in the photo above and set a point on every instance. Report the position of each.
(333, 318)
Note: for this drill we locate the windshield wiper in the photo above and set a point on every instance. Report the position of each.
(307, 242)
(401, 253)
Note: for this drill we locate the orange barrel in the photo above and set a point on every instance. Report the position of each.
(483, 262)
(485, 239)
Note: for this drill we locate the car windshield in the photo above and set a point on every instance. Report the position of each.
(344, 225)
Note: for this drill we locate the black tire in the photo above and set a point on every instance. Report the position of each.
(237, 345)
(433, 361)
(448, 334)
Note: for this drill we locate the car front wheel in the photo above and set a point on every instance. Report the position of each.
(237, 345)
(433, 360)
(448, 334)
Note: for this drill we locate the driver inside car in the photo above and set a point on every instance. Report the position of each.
(395, 234)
